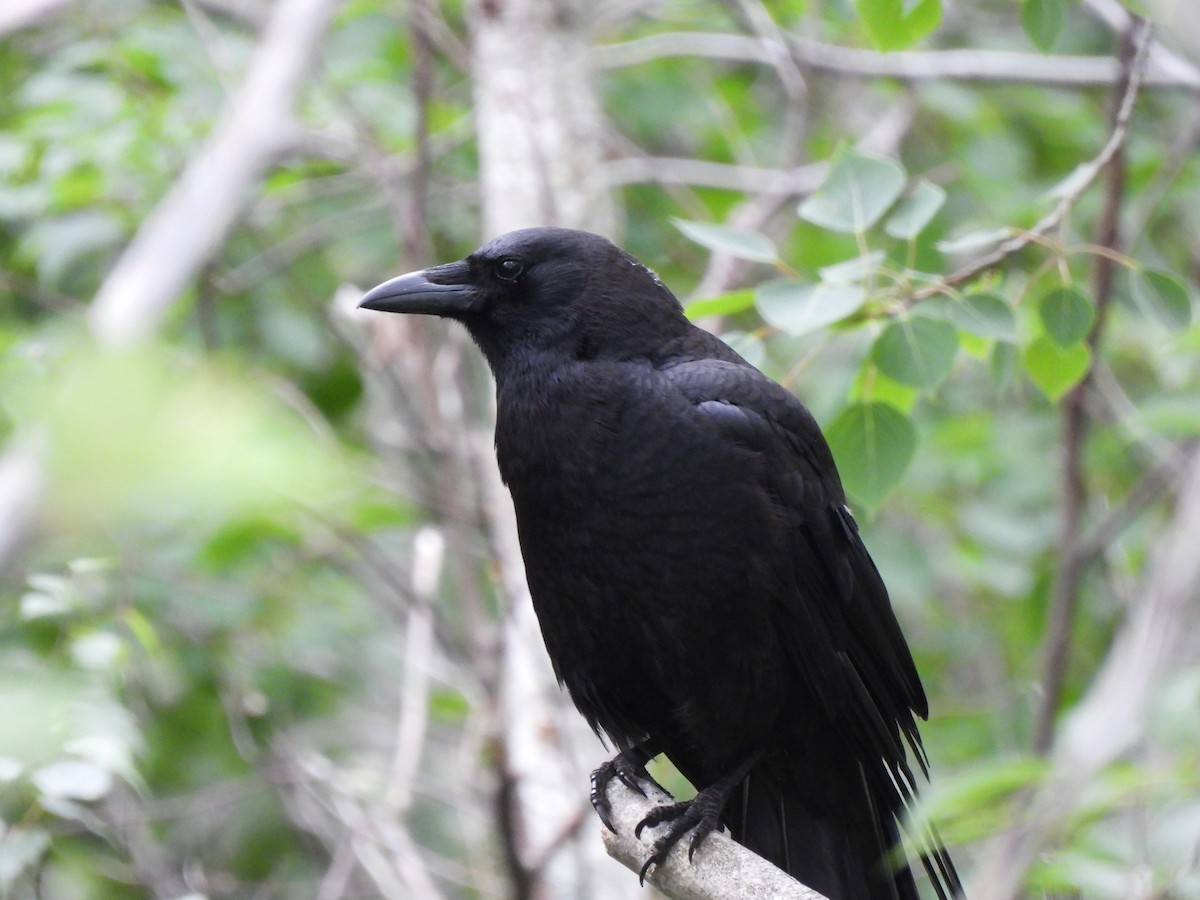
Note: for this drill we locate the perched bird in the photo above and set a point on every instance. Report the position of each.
(700, 583)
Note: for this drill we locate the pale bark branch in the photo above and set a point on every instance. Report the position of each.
(18, 14)
(1165, 69)
(541, 140)
(1178, 18)
(1076, 423)
(1080, 180)
(719, 870)
(703, 173)
(198, 212)
(21, 484)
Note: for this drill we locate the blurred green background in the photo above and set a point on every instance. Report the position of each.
(256, 574)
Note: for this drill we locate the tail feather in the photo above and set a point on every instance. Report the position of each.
(838, 837)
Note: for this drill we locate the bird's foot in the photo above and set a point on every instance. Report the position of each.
(700, 815)
(628, 767)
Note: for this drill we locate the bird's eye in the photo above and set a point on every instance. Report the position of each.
(509, 269)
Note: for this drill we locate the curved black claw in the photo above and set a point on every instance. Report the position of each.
(628, 767)
(700, 815)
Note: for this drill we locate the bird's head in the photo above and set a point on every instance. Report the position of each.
(543, 290)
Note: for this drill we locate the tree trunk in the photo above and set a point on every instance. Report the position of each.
(538, 118)
(540, 140)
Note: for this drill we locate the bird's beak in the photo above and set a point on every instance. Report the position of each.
(440, 291)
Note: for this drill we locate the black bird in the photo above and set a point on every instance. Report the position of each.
(701, 586)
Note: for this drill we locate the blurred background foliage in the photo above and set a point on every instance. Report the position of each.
(211, 624)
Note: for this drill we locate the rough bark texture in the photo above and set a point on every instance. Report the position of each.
(724, 870)
(540, 139)
(538, 117)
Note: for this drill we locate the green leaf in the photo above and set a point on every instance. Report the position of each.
(1056, 369)
(858, 190)
(721, 305)
(974, 241)
(748, 346)
(874, 444)
(872, 386)
(1043, 22)
(915, 211)
(895, 24)
(734, 241)
(984, 315)
(860, 268)
(1003, 363)
(379, 514)
(57, 243)
(1164, 297)
(1067, 315)
(447, 705)
(796, 308)
(916, 351)
(983, 787)
(1173, 416)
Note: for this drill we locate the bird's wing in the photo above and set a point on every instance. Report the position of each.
(837, 623)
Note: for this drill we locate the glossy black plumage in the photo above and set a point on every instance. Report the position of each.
(700, 584)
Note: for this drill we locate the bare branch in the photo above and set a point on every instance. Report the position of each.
(1075, 426)
(720, 870)
(252, 14)
(702, 173)
(18, 14)
(21, 484)
(1152, 485)
(413, 721)
(1114, 14)
(1080, 181)
(188, 225)
(1165, 69)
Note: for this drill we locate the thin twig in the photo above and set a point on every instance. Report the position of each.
(1080, 180)
(1075, 423)
(1151, 486)
(417, 239)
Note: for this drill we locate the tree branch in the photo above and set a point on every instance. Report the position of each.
(1080, 180)
(1164, 70)
(190, 222)
(21, 482)
(703, 173)
(720, 870)
(1075, 425)
(18, 14)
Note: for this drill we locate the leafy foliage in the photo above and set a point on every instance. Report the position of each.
(203, 645)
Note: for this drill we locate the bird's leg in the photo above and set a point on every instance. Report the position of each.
(701, 815)
(628, 767)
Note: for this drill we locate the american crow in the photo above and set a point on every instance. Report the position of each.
(701, 586)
